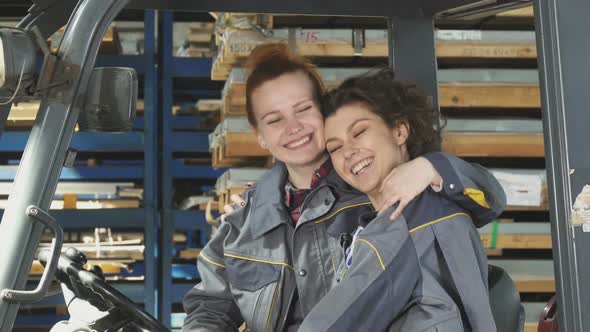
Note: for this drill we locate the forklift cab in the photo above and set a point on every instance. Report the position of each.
(73, 92)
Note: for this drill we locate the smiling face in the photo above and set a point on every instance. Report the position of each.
(363, 148)
(289, 122)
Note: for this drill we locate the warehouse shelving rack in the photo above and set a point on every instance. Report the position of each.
(174, 141)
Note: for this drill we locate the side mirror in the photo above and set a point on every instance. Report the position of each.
(17, 59)
(111, 100)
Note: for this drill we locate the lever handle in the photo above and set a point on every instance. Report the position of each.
(14, 296)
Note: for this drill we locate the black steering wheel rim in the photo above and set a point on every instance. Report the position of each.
(98, 290)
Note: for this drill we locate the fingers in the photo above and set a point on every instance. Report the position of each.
(398, 211)
(389, 202)
(236, 199)
(208, 215)
(228, 209)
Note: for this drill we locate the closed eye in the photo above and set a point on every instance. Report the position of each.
(357, 134)
(304, 109)
(334, 149)
(275, 120)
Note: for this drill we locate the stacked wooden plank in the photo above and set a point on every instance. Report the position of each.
(459, 89)
(110, 42)
(199, 40)
(87, 195)
(22, 115)
(116, 252)
(451, 45)
(234, 181)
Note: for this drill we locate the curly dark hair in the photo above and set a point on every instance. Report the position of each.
(393, 101)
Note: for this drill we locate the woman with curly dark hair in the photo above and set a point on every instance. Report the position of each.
(425, 271)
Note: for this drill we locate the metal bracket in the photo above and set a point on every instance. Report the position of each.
(70, 158)
(16, 296)
(47, 69)
(67, 73)
(292, 39)
(41, 42)
(358, 41)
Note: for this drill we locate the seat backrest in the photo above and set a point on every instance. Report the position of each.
(505, 301)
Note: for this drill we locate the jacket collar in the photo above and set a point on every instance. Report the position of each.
(268, 206)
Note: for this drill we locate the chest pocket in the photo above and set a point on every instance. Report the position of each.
(255, 289)
(251, 275)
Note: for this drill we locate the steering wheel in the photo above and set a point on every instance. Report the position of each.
(70, 271)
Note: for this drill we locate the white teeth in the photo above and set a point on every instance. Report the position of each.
(360, 166)
(299, 142)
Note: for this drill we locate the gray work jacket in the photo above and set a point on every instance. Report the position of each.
(425, 271)
(258, 260)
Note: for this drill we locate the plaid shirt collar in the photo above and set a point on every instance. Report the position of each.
(294, 197)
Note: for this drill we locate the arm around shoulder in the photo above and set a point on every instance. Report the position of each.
(471, 186)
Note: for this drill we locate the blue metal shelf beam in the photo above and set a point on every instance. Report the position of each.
(181, 170)
(15, 141)
(191, 67)
(170, 68)
(151, 164)
(91, 218)
(190, 220)
(190, 141)
(179, 142)
(119, 172)
(180, 122)
(178, 291)
(132, 172)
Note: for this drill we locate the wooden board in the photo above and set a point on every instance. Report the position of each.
(489, 95)
(444, 51)
(220, 159)
(530, 276)
(531, 327)
(224, 197)
(196, 26)
(96, 204)
(191, 253)
(455, 46)
(518, 241)
(524, 12)
(494, 145)
(485, 51)
(199, 37)
(270, 21)
(109, 44)
(543, 207)
(244, 144)
(534, 285)
(107, 267)
(22, 115)
(451, 95)
(208, 105)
